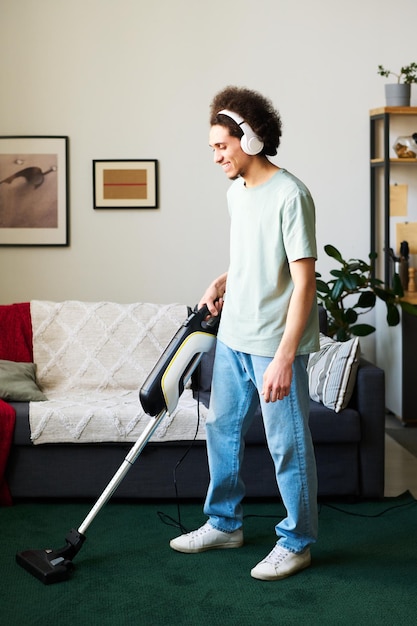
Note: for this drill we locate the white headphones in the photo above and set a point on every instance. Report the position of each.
(250, 142)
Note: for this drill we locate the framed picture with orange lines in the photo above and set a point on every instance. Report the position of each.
(125, 184)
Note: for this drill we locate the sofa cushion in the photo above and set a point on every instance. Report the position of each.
(332, 372)
(18, 382)
(325, 429)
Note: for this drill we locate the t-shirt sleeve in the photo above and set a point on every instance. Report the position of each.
(299, 227)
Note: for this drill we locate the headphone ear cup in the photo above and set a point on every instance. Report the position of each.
(251, 145)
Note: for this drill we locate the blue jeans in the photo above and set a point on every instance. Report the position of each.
(236, 386)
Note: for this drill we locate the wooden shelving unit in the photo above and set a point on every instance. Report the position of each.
(399, 362)
(381, 162)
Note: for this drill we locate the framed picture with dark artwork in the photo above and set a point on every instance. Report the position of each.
(34, 191)
(125, 184)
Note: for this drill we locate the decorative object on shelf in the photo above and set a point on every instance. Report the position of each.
(404, 256)
(354, 278)
(406, 147)
(399, 94)
(33, 191)
(411, 279)
(398, 200)
(125, 184)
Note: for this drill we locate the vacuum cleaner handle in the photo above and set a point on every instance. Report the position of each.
(165, 384)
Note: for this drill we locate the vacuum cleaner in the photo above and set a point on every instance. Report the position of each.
(158, 395)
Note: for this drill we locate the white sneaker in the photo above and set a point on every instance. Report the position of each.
(281, 563)
(207, 538)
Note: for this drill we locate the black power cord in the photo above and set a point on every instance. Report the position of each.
(164, 517)
(369, 515)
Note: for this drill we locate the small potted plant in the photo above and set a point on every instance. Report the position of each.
(399, 93)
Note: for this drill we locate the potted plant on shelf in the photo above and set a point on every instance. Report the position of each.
(355, 279)
(398, 94)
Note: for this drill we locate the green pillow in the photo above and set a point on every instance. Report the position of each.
(18, 382)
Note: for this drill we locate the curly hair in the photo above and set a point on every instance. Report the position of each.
(255, 109)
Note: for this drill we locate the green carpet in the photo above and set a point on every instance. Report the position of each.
(363, 571)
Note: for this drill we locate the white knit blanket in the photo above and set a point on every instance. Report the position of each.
(92, 358)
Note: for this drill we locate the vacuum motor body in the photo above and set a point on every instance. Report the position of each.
(164, 385)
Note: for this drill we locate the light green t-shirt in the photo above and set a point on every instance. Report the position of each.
(272, 225)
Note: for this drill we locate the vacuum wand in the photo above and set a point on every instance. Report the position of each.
(158, 395)
(131, 457)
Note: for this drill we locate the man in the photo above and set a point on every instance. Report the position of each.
(269, 325)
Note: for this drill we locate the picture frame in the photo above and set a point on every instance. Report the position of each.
(34, 203)
(125, 184)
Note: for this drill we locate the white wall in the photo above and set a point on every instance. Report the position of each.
(134, 79)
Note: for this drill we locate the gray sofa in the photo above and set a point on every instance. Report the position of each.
(349, 449)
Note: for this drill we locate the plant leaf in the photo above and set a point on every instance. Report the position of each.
(393, 315)
(351, 281)
(356, 265)
(366, 300)
(337, 290)
(350, 316)
(362, 330)
(322, 287)
(333, 252)
(382, 294)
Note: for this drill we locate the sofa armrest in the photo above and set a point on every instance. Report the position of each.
(369, 400)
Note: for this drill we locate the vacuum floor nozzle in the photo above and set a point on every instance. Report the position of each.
(40, 564)
(52, 566)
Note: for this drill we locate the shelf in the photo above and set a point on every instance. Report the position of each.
(394, 110)
(381, 161)
(410, 297)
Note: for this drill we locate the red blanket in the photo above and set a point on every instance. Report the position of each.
(7, 421)
(16, 333)
(15, 345)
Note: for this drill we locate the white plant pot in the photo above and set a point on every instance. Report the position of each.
(398, 95)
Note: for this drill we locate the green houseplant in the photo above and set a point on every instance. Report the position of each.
(353, 291)
(399, 92)
(408, 73)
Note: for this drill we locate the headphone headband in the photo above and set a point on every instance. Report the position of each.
(250, 142)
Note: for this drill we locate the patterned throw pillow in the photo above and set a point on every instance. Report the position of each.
(332, 372)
